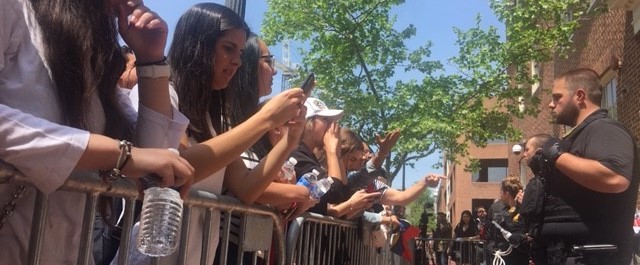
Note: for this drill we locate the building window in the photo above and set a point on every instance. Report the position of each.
(491, 170)
(609, 99)
(524, 169)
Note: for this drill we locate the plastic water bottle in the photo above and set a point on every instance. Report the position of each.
(322, 186)
(160, 222)
(288, 169)
(309, 180)
(317, 188)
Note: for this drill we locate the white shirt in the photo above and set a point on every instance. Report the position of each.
(33, 140)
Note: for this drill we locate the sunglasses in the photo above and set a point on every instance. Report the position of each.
(269, 59)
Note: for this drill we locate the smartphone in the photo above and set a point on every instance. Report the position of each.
(308, 84)
(372, 187)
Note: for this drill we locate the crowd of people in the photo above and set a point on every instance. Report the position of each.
(112, 111)
(75, 103)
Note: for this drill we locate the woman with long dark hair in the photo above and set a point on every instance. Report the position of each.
(61, 111)
(462, 250)
(204, 56)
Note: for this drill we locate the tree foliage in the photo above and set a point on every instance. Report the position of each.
(363, 66)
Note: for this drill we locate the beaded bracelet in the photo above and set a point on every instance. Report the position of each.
(109, 176)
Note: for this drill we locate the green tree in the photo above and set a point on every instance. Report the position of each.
(360, 61)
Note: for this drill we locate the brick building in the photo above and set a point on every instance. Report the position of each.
(606, 41)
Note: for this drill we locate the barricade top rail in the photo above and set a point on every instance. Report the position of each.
(460, 239)
(126, 188)
(318, 218)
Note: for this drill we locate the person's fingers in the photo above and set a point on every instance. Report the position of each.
(296, 91)
(155, 23)
(183, 172)
(144, 19)
(372, 196)
(184, 190)
(137, 13)
(190, 169)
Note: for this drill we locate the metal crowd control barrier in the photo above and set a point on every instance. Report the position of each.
(93, 187)
(461, 250)
(316, 239)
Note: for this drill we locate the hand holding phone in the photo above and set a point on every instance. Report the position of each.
(308, 84)
(375, 186)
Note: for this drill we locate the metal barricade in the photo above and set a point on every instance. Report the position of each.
(438, 251)
(254, 217)
(316, 239)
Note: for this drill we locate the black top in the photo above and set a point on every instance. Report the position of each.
(609, 216)
(307, 162)
(442, 230)
(472, 230)
(513, 223)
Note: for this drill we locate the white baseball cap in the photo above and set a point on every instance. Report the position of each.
(316, 107)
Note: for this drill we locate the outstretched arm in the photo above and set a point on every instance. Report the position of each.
(396, 197)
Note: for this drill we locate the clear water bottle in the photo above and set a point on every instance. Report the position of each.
(317, 188)
(321, 188)
(289, 169)
(160, 222)
(309, 180)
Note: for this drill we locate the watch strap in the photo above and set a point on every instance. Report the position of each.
(153, 71)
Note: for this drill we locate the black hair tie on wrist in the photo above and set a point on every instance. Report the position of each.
(161, 62)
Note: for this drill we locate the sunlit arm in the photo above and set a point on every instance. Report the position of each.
(280, 193)
(249, 185)
(212, 155)
(396, 197)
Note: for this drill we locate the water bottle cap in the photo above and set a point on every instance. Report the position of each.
(330, 180)
(293, 161)
(315, 172)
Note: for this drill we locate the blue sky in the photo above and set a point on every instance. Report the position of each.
(434, 20)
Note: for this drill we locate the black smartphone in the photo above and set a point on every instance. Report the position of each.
(308, 84)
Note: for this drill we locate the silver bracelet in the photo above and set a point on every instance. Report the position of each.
(109, 176)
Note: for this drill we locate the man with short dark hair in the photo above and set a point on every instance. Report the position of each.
(591, 169)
